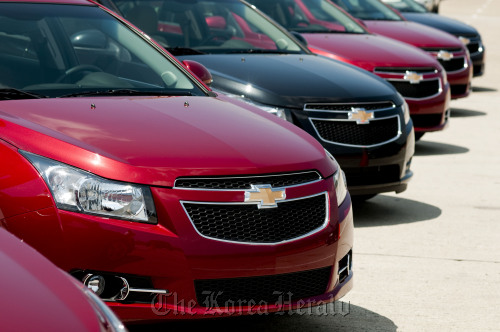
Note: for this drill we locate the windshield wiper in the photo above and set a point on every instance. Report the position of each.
(125, 92)
(14, 94)
(184, 51)
(258, 51)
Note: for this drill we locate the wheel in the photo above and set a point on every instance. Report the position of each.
(73, 71)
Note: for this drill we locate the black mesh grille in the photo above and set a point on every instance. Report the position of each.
(247, 223)
(453, 64)
(399, 70)
(426, 120)
(348, 107)
(473, 47)
(246, 182)
(421, 90)
(349, 132)
(438, 49)
(267, 289)
(458, 89)
(372, 175)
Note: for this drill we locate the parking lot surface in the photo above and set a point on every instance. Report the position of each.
(427, 259)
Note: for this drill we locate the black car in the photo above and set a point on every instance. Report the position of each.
(358, 117)
(413, 11)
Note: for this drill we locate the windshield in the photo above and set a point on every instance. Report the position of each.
(53, 50)
(368, 10)
(406, 6)
(198, 27)
(309, 16)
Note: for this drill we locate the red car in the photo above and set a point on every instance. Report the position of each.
(38, 296)
(331, 32)
(168, 201)
(448, 49)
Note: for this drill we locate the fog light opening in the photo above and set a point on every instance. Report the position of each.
(345, 266)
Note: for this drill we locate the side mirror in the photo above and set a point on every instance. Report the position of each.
(199, 70)
(300, 38)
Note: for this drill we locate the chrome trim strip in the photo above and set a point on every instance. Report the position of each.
(354, 104)
(325, 223)
(358, 146)
(246, 177)
(143, 290)
(440, 90)
(402, 74)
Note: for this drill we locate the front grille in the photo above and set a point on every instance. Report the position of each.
(372, 175)
(246, 182)
(400, 70)
(246, 223)
(473, 47)
(349, 107)
(453, 64)
(438, 49)
(225, 293)
(426, 120)
(349, 132)
(424, 89)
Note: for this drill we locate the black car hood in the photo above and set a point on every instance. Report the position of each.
(292, 80)
(444, 23)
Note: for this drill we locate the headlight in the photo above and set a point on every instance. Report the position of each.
(406, 112)
(279, 112)
(106, 316)
(76, 190)
(339, 181)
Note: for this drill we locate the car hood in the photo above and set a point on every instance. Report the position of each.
(290, 81)
(440, 22)
(55, 303)
(414, 33)
(370, 51)
(153, 140)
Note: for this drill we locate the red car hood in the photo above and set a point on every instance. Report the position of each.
(36, 295)
(414, 33)
(153, 140)
(369, 51)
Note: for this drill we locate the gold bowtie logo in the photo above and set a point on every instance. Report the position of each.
(360, 115)
(413, 77)
(264, 195)
(445, 55)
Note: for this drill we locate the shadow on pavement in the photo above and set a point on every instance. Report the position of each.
(483, 89)
(390, 210)
(338, 316)
(464, 113)
(426, 148)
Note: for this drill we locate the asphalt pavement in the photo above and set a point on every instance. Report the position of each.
(427, 259)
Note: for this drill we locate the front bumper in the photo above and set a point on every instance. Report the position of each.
(173, 257)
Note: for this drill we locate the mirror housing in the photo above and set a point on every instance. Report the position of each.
(299, 37)
(199, 70)
(90, 39)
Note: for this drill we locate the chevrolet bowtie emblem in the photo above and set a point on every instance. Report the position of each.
(360, 115)
(413, 77)
(464, 40)
(264, 195)
(445, 55)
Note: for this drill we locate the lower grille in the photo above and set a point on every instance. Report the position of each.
(372, 175)
(246, 223)
(426, 120)
(454, 64)
(218, 293)
(424, 89)
(378, 131)
(458, 89)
